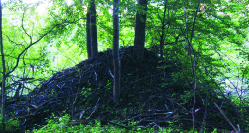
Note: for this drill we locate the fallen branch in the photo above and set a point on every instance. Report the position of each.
(225, 117)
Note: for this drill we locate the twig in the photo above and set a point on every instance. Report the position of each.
(205, 114)
(178, 104)
(94, 109)
(225, 117)
(158, 126)
(79, 87)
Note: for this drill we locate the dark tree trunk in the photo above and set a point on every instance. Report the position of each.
(88, 32)
(4, 75)
(163, 28)
(116, 59)
(94, 47)
(140, 30)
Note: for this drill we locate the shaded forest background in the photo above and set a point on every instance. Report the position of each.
(209, 38)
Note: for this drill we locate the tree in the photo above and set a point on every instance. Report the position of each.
(213, 32)
(17, 48)
(140, 29)
(94, 46)
(162, 36)
(116, 59)
(88, 32)
(4, 72)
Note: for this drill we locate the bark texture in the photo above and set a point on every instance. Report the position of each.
(88, 32)
(94, 47)
(140, 29)
(116, 59)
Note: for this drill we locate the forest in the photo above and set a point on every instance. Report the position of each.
(124, 66)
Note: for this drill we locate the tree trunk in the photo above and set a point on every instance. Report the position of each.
(94, 47)
(88, 32)
(140, 30)
(116, 59)
(163, 27)
(4, 75)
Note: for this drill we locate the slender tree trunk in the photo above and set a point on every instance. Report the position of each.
(94, 47)
(116, 59)
(140, 30)
(88, 32)
(163, 27)
(4, 71)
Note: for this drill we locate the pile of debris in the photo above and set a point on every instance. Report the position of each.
(150, 94)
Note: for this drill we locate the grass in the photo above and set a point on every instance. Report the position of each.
(56, 125)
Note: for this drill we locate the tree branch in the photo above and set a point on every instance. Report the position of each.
(41, 37)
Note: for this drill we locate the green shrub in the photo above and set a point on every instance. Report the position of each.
(10, 126)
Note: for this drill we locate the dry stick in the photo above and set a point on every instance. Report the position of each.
(225, 117)
(158, 126)
(177, 104)
(77, 123)
(77, 97)
(94, 109)
(238, 127)
(205, 114)
(153, 123)
(79, 87)
(150, 124)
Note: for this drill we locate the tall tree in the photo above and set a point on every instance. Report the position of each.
(94, 46)
(162, 36)
(4, 71)
(140, 29)
(116, 59)
(88, 32)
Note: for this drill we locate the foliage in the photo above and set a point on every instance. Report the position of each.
(58, 124)
(10, 126)
(219, 31)
(19, 53)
